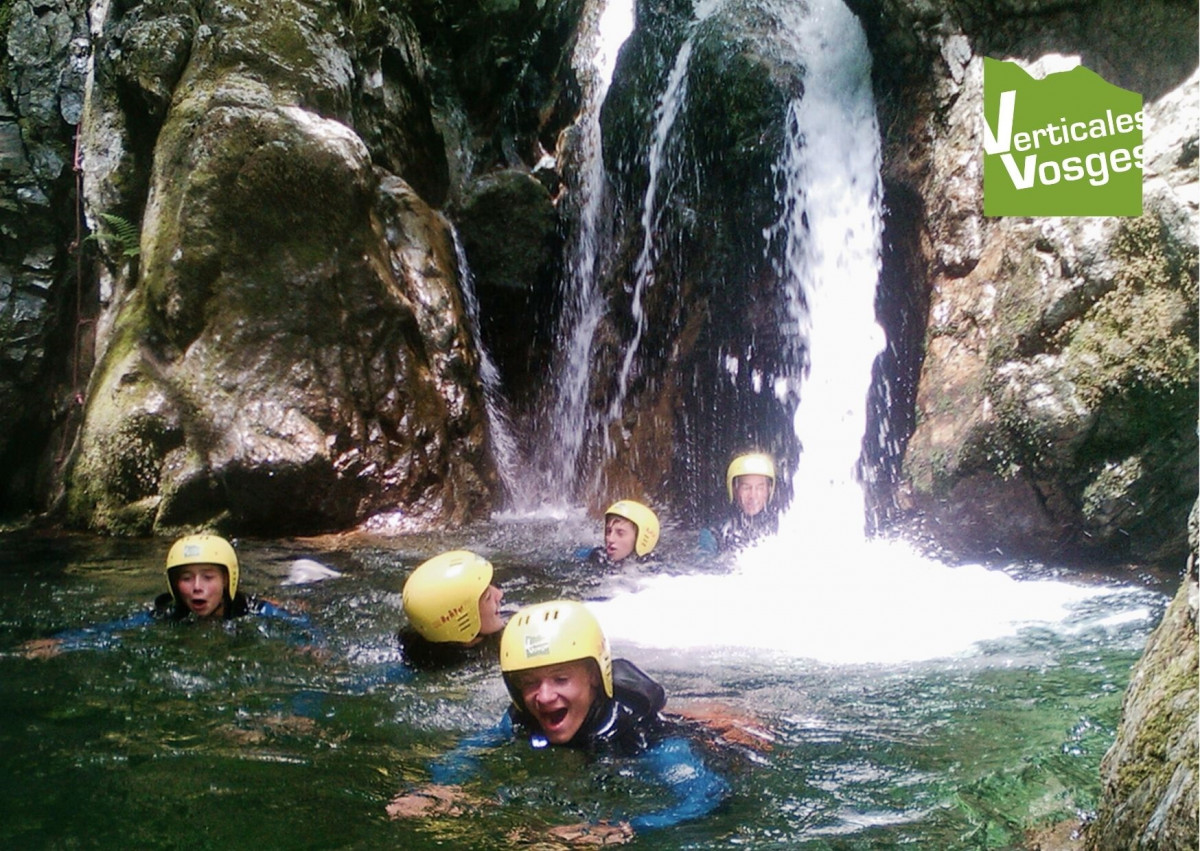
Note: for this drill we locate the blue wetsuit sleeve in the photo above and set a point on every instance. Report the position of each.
(462, 763)
(697, 789)
(267, 609)
(303, 632)
(101, 635)
(708, 542)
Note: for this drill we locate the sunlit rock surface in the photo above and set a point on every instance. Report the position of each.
(291, 355)
(1056, 408)
(1150, 773)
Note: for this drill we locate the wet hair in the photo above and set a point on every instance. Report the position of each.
(422, 654)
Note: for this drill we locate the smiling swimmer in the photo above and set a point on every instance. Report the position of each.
(568, 691)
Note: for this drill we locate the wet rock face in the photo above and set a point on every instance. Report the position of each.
(1150, 797)
(279, 335)
(291, 355)
(1049, 420)
(281, 164)
(510, 232)
(41, 92)
(710, 341)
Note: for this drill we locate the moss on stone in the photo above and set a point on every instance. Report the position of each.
(1156, 739)
(1140, 337)
(115, 477)
(1019, 304)
(5, 19)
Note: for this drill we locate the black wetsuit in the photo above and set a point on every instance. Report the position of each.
(166, 608)
(626, 724)
(740, 530)
(421, 654)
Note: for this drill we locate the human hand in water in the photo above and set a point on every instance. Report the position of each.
(733, 724)
(42, 648)
(600, 833)
(431, 800)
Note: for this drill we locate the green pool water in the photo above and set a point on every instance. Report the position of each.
(254, 736)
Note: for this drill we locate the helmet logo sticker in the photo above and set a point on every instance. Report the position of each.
(536, 645)
(191, 550)
(452, 614)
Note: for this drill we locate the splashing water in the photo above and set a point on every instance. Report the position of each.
(819, 589)
(665, 114)
(504, 445)
(584, 307)
(898, 608)
(833, 230)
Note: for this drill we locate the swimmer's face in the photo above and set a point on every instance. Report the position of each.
(619, 537)
(201, 587)
(751, 493)
(490, 619)
(559, 696)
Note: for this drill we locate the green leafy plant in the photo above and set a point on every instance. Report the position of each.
(120, 234)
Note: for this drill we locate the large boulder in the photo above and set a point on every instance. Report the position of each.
(292, 354)
(279, 159)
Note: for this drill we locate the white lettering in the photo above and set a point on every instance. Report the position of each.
(1097, 167)
(1001, 142)
(1020, 180)
(1050, 172)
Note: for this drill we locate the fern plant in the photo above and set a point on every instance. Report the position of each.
(120, 234)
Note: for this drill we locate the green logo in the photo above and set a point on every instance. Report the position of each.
(1068, 145)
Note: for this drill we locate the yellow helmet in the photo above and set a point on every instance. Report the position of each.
(751, 464)
(203, 549)
(441, 597)
(551, 634)
(643, 518)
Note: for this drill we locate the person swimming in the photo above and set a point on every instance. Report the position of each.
(567, 691)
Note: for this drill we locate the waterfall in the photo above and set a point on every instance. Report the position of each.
(833, 233)
(669, 106)
(505, 451)
(584, 307)
(819, 589)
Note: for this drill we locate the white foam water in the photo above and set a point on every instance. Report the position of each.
(851, 603)
(820, 589)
